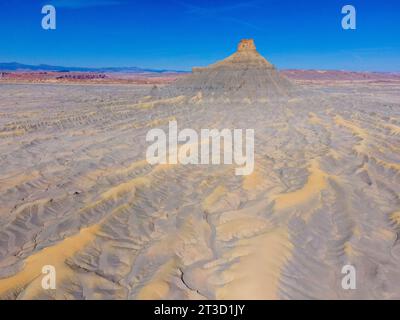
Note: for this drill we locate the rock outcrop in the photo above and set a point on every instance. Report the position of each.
(243, 75)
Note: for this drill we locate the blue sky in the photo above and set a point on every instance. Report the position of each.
(180, 34)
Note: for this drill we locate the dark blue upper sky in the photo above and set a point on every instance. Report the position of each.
(184, 33)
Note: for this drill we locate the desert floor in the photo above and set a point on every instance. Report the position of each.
(77, 193)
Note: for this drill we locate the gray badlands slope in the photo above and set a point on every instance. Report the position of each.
(243, 75)
(77, 193)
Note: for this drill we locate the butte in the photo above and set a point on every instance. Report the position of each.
(245, 75)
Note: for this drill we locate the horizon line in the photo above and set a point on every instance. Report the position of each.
(155, 69)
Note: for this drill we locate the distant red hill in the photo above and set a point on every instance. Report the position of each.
(168, 77)
(334, 75)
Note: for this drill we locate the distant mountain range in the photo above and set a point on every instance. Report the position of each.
(15, 66)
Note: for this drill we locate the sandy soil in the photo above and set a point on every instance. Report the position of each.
(77, 193)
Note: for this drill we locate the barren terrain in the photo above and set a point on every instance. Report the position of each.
(77, 193)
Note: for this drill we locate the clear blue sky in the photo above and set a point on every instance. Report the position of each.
(184, 33)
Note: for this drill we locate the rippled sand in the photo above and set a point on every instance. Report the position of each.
(77, 193)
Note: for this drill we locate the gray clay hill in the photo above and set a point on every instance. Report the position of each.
(244, 75)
